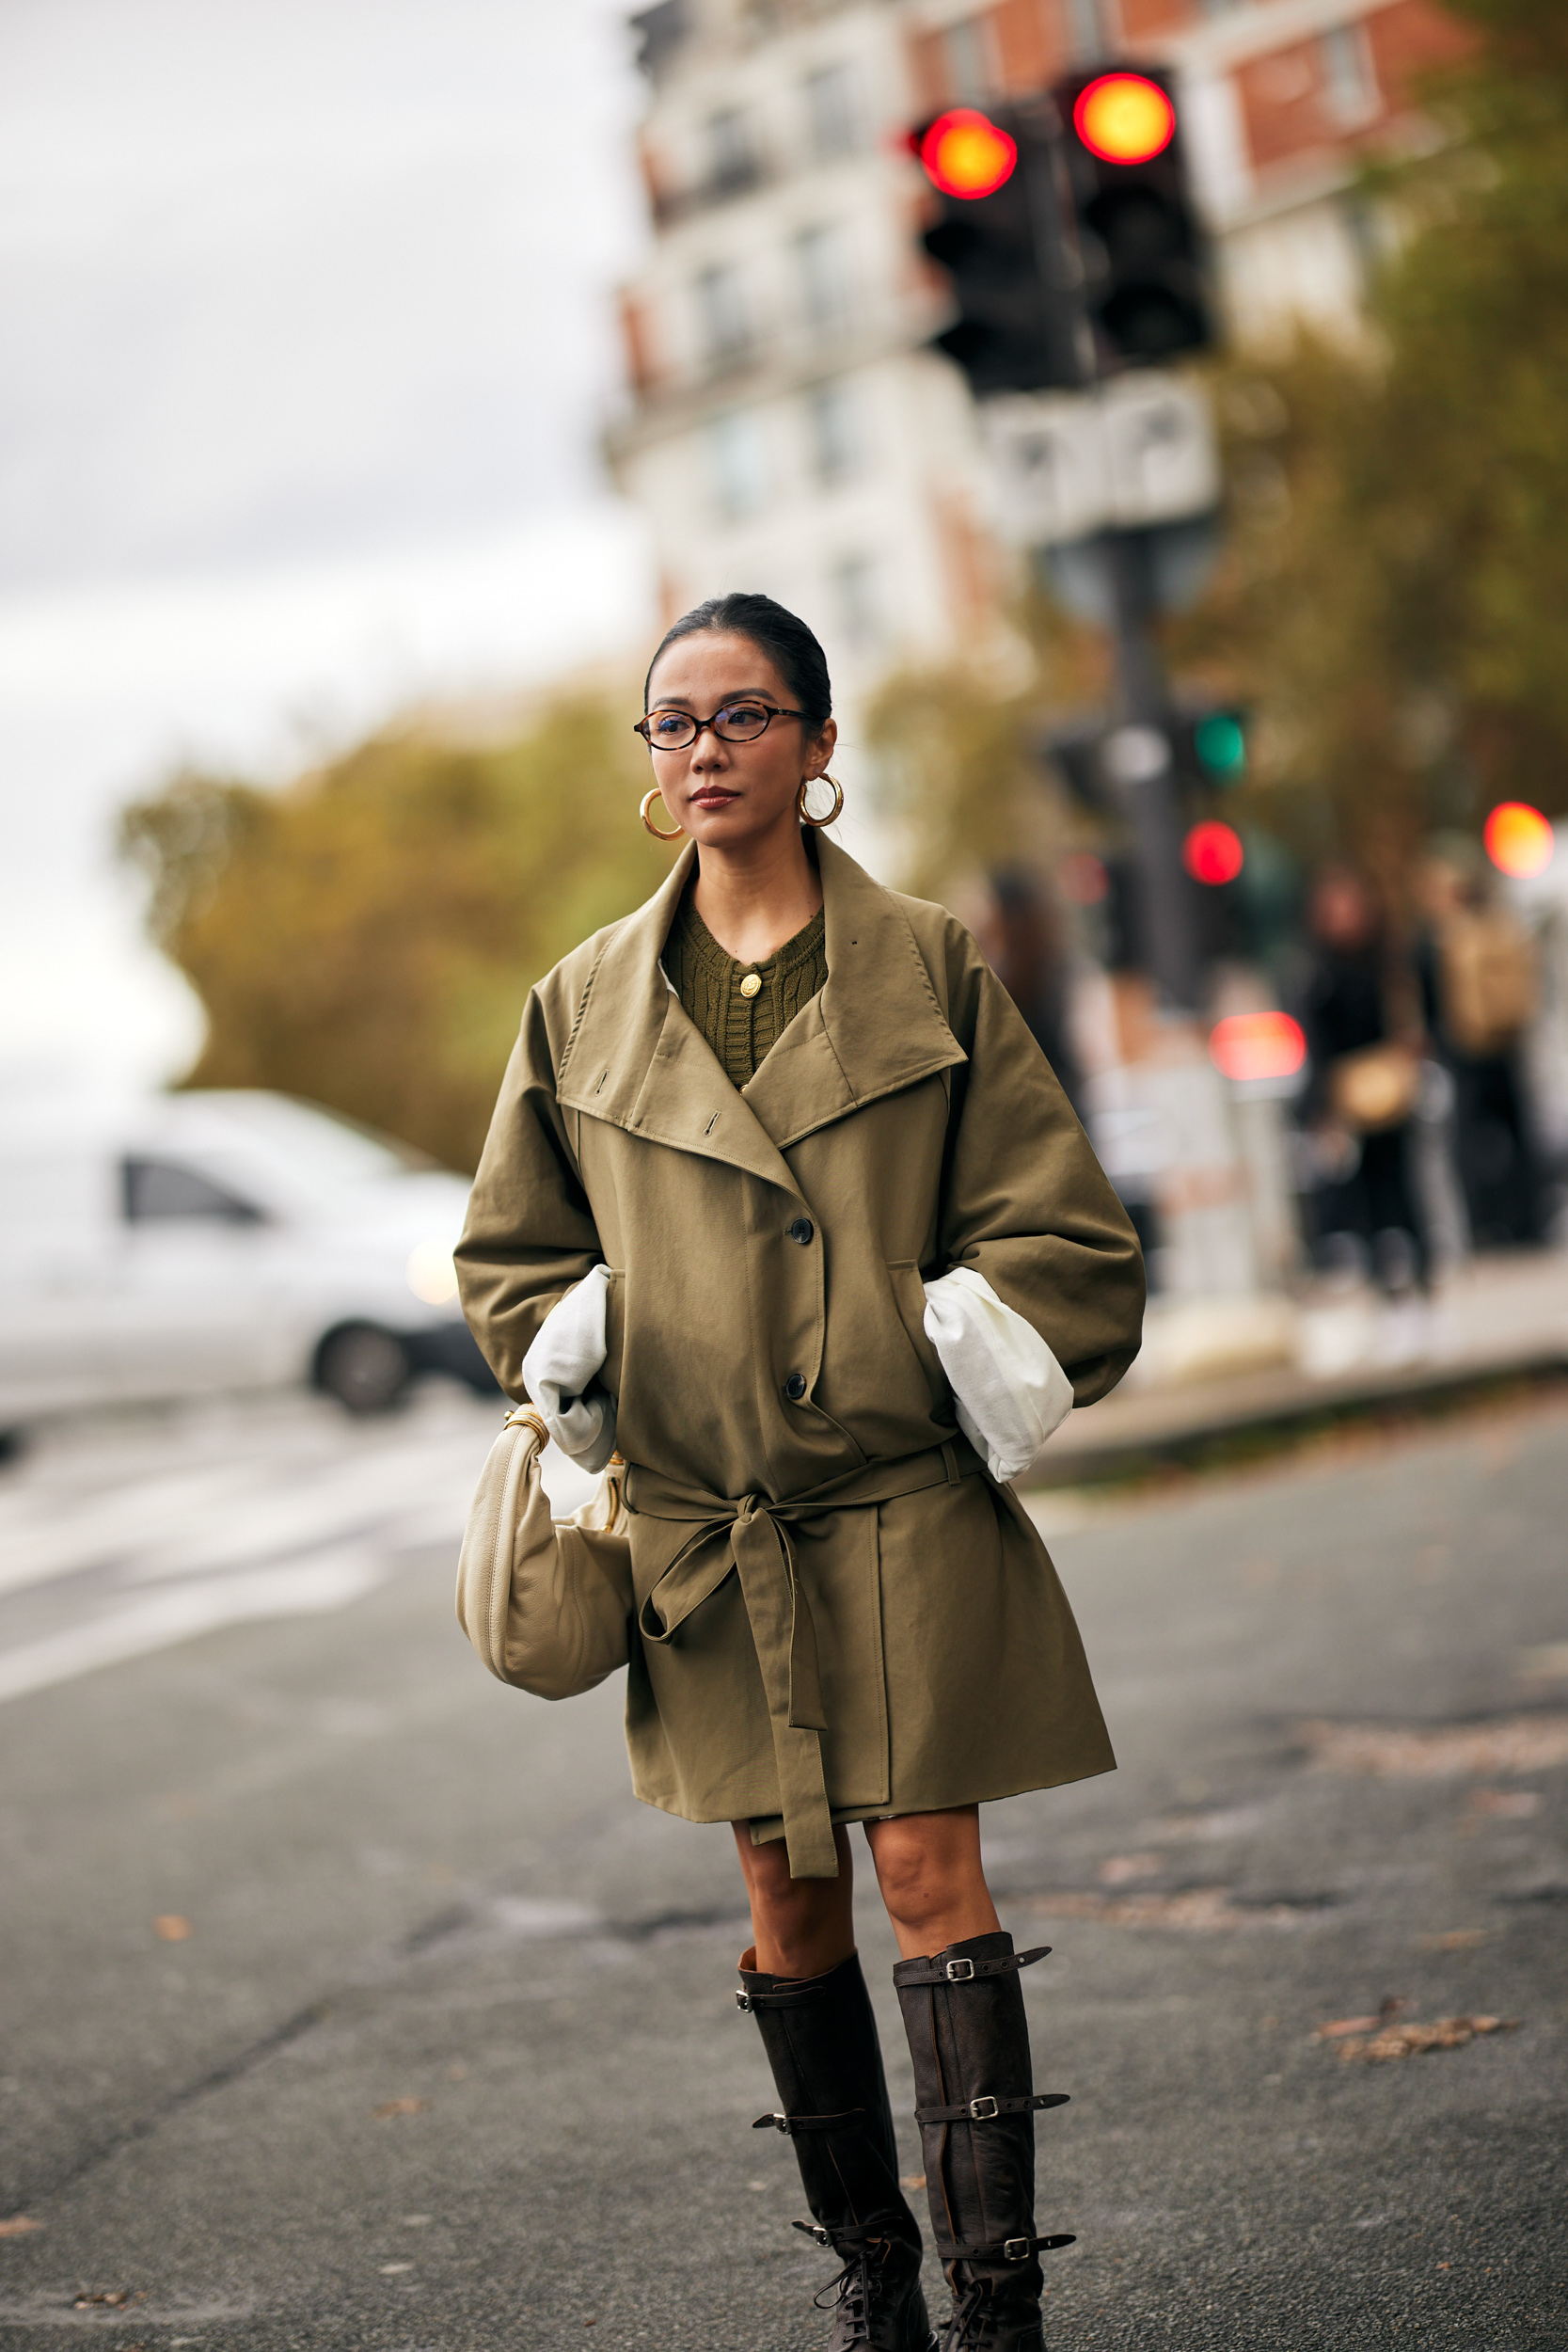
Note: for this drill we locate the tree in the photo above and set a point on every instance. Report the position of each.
(1398, 566)
(364, 937)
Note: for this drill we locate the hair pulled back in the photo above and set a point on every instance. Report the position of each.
(786, 641)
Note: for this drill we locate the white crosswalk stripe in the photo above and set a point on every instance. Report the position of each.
(125, 1536)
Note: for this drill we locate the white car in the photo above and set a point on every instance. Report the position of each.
(198, 1242)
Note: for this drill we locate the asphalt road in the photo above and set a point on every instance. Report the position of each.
(350, 2001)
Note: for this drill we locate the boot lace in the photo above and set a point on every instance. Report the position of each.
(856, 2290)
(975, 2322)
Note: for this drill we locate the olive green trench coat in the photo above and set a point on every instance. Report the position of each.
(839, 1613)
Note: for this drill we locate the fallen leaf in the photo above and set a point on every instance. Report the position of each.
(912, 2180)
(1514, 1743)
(1387, 2009)
(1501, 1804)
(394, 2270)
(1547, 1663)
(116, 2297)
(1415, 2041)
(1197, 1911)
(19, 2225)
(1455, 1940)
(170, 1928)
(399, 2106)
(1120, 1868)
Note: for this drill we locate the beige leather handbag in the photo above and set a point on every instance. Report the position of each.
(544, 1602)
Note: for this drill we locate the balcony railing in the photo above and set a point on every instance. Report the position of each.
(724, 186)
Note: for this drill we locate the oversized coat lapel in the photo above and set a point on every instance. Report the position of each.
(636, 1060)
(876, 1027)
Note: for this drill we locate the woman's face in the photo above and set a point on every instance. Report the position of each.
(729, 793)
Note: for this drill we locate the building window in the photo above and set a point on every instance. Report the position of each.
(738, 463)
(832, 414)
(831, 114)
(968, 74)
(822, 262)
(721, 310)
(732, 163)
(1349, 81)
(855, 593)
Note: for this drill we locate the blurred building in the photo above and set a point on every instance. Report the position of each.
(786, 429)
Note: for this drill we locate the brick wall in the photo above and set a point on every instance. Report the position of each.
(1144, 20)
(1027, 43)
(1296, 106)
(1030, 42)
(1412, 38)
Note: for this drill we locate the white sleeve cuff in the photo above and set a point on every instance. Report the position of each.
(1010, 1389)
(559, 1374)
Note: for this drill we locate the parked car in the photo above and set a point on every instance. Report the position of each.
(220, 1241)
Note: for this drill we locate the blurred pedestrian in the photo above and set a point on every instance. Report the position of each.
(1480, 991)
(782, 1132)
(1021, 937)
(1365, 1080)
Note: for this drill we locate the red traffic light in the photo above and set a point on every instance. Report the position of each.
(965, 153)
(1519, 840)
(1248, 1046)
(1213, 853)
(1124, 118)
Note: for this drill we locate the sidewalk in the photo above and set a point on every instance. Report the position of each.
(1210, 1368)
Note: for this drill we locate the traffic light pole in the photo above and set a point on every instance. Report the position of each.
(1138, 754)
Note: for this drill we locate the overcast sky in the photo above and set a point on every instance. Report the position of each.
(305, 315)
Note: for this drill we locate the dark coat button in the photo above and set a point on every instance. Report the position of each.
(795, 1387)
(801, 1231)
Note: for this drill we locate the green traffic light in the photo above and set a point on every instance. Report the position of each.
(1220, 741)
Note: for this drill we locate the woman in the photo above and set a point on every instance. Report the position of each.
(781, 1199)
(1346, 1012)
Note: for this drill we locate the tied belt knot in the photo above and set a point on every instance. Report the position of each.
(748, 1537)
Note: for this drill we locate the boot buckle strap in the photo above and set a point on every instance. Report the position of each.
(984, 2109)
(814, 2230)
(742, 1999)
(792, 2125)
(1007, 2249)
(910, 1972)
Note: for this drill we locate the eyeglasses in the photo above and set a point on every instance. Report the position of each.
(737, 722)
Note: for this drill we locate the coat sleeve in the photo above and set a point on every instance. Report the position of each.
(529, 1234)
(1024, 1201)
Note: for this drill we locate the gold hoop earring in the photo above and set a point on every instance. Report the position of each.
(816, 823)
(648, 800)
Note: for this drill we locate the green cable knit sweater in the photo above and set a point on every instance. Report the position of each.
(741, 1028)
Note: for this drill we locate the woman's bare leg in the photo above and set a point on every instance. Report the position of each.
(932, 1880)
(802, 1926)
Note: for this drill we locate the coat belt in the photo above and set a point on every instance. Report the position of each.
(760, 1553)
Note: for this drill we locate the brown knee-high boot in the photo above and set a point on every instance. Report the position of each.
(975, 2104)
(820, 2037)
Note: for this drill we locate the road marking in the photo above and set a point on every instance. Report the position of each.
(330, 1579)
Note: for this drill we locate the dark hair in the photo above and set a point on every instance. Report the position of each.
(786, 641)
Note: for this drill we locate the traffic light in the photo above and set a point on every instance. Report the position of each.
(1138, 234)
(998, 234)
(1210, 747)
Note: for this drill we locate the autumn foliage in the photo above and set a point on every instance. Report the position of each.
(364, 937)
